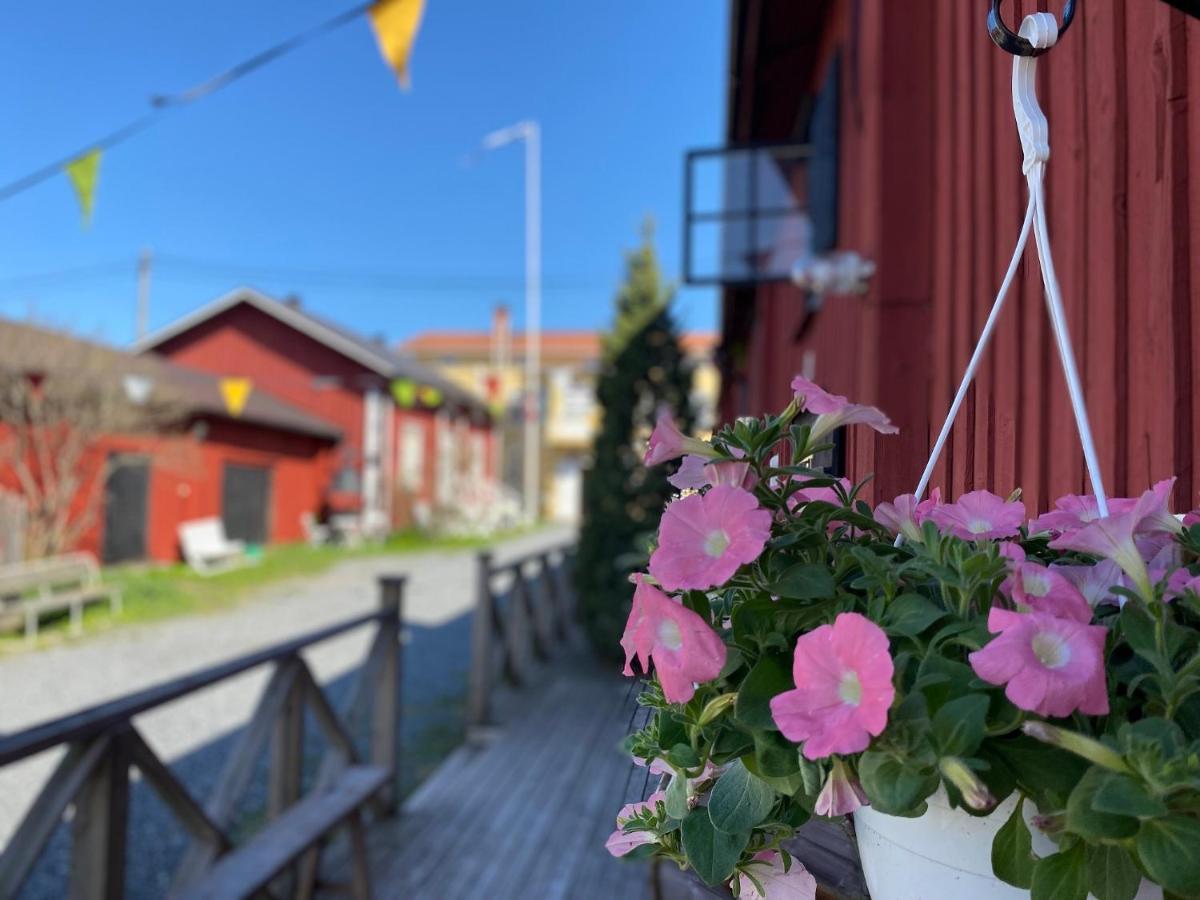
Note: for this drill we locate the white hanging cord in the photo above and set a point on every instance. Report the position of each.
(1041, 30)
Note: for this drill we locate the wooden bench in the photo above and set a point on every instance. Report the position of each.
(32, 590)
(245, 871)
(206, 548)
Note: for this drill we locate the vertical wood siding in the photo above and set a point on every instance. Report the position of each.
(931, 188)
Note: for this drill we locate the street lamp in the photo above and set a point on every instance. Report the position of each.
(529, 132)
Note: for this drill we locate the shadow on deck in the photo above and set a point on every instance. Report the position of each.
(524, 811)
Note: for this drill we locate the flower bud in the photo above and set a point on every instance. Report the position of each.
(1089, 748)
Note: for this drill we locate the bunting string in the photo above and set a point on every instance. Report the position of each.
(161, 104)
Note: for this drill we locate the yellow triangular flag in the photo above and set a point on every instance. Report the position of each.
(395, 23)
(431, 396)
(83, 172)
(235, 392)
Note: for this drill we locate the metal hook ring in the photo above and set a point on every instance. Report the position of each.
(1011, 42)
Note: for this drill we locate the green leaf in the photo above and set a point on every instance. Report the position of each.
(1167, 848)
(893, 787)
(1062, 876)
(739, 800)
(774, 755)
(1012, 850)
(1112, 874)
(682, 756)
(958, 726)
(1124, 795)
(769, 677)
(1090, 823)
(677, 797)
(712, 854)
(804, 581)
(1138, 626)
(910, 614)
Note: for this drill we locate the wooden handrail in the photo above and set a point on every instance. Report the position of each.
(103, 743)
(540, 607)
(97, 719)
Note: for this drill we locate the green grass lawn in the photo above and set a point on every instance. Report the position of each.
(153, 592)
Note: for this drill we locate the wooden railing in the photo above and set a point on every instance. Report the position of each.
(523, 609)
(102, 745)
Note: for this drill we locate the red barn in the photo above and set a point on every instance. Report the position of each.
(913, 161)
(405, 429)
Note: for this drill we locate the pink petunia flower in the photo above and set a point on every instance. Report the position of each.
(668, 442)
(620, 842)
(833, 410)
(797, 883)
(1034, 586)
(683, 646)
(1116, 537)
(843, 676)
(979, 516)
(1180, 582)
(1096, 582)
(1048, 665)
(1074, 511)
(842, 793)
(905, 514)
(704, 538)
(696, 472)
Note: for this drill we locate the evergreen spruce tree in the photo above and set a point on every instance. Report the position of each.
(643, 368)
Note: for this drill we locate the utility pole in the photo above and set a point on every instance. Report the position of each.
(530, 133)
(143, 294)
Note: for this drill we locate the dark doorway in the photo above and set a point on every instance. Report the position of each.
(245, 498)
(126, 491)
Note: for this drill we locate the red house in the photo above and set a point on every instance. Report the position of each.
(408, 434)
(891, 126)
(260, 471)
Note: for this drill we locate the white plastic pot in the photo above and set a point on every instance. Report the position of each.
(943, 854)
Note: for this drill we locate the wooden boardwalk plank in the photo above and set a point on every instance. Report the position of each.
(526, 815)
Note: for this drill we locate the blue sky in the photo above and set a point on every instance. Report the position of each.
(318, 176)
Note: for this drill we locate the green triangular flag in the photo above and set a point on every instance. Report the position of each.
(83, 172)
(404, 392)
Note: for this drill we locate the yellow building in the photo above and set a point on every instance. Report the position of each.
(492, 365)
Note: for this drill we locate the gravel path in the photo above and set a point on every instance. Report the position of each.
(195, 733)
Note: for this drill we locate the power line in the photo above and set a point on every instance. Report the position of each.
(161, 104)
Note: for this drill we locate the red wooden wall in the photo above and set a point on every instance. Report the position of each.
(931, 189)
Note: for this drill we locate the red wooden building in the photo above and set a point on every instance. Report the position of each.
(908, 108)
(195, 468)
(408, 434)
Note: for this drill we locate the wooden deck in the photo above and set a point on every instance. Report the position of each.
(524, 813)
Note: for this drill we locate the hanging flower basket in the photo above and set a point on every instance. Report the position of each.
(948, 672)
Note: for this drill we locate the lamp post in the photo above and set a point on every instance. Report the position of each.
(529, 132)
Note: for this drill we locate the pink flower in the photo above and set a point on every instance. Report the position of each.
(833, 410)
(668, 442)
(1048, 665)
(1075, 511)
(704, 538)
(905, 514)
(842, 794)
(797, 883)
(696, 472)
(620, 842)
(1116, 536)
(1096, 582)
(1181, 582)
(683, 646)
(1037, 587)
(979, 516)
(843, 676)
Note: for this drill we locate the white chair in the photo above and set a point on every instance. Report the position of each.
(206, 548)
